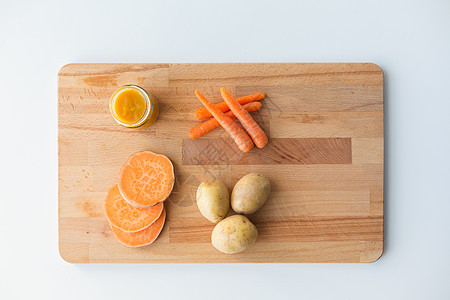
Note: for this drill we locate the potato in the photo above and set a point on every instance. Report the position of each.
(234, 234)
(250, 193)
(213, 200)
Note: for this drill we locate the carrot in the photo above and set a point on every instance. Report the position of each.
(240, 137)
(253, 129)
(202, 113)
(212, 123)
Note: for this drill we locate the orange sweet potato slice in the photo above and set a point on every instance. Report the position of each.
(143, 237)
(127, 217)
(146, 179)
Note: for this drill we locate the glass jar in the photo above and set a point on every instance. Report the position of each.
(133, 107)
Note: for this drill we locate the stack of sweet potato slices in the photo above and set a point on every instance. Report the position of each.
(134, 206)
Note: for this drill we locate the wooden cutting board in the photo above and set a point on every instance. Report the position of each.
(324, 160)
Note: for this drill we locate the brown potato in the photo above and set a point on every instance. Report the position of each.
(234, 234)
(213, 200)
(250, 193)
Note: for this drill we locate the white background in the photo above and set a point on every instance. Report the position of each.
(409, 40)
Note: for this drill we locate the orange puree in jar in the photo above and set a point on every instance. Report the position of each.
(129, 106)
(132, 106)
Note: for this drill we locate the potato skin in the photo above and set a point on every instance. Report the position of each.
(213, 200)
(234, 234)
(250, 193)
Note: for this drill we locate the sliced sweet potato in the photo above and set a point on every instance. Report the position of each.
(146, 179)
(142, 237)
(127, 217)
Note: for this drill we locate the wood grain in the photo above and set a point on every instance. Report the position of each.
(279, 151)
(324, 160)
(287, 229)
